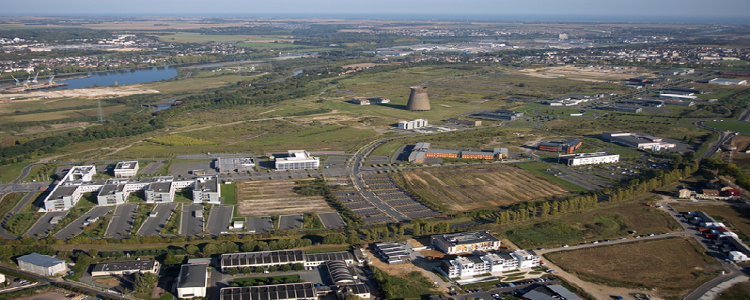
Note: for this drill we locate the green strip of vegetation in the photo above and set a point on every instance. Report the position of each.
(228, 192)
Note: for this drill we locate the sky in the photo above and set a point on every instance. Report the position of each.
(539, 10)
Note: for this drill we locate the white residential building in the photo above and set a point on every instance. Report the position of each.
(297, 159)
(490, 263)
(192, 281)
(207, 190)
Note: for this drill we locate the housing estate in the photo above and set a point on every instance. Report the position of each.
(494, 263)
(453, 243)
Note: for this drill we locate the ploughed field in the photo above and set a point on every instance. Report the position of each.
(276, 197)
(672, 266)
(470, 188)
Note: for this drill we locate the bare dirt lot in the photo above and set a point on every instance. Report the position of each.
(84, 92)
(680, 266)
(741, 142)
(277, 197)
(584, 73)
(465, 189)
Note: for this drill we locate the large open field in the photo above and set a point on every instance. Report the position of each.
(736, 217)
(277, 197)
(602, 223)
(672, 266)
(474, 188)
(730, 125)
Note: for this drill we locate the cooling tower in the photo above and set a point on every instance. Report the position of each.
(418, 99)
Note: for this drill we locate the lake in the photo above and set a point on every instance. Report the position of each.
(122, 77)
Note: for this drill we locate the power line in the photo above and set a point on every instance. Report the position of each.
(101, 112)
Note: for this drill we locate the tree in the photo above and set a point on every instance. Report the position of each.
(192, 249)
(259, 270)
(144, 282)
(94, 253)
(210, 249)
(286, 268)
(249, 246)
(273, 269)
(298, 267)
(233, 271)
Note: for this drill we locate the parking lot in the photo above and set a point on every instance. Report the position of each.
(151, 168)
(287, 222)
(42, 227)
(186, 168)
(259, 225)
(192, 219)
(78, 225)
(219, 219)
(332, 220)
(122, 221)
(154, 225)
(517, 289)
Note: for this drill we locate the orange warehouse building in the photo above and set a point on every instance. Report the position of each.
(442, 153)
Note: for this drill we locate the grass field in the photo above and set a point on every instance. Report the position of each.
(45, 104)
(730, 125)
(192, 84)
(681, 266)
(9, 201)
(475, 188)
(603, 223)
(538, 168)
(270, 45)
(62, 114)
(12, 171)
(189, 37)
(228, 192)
(740, 291)
(737, 217)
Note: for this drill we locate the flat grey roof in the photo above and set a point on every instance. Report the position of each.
(128, 265)
(110, 189)
(125, 165)
(328, 256)
(269, 292)
(193, 276)
(162, 186)
(264, 257)
(209, 185)
(470, 237)
(62, 191)
(40, 260)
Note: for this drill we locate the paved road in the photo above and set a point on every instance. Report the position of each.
(42, 227)
(154, 225)
(613, 242)
(370, 196)
(77, 226)
(122, 221)
(219, 219)
(190, 224)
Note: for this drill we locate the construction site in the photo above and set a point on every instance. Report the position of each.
(33, 84)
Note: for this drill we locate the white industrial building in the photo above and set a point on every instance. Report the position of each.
(725, 81)
(636, 140)
(126, 169)
(192, 281)
(41, 264)
(413, 124)
(297, 159)
(207, 190)
(118, 268)
(492, 263)
(232, 164)
(580, 159)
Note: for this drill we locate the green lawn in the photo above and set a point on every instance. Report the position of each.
(12, 171)
(730, 125)
(227, 191)
(189, 37)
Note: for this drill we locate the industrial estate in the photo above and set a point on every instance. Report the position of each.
(286, 159)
